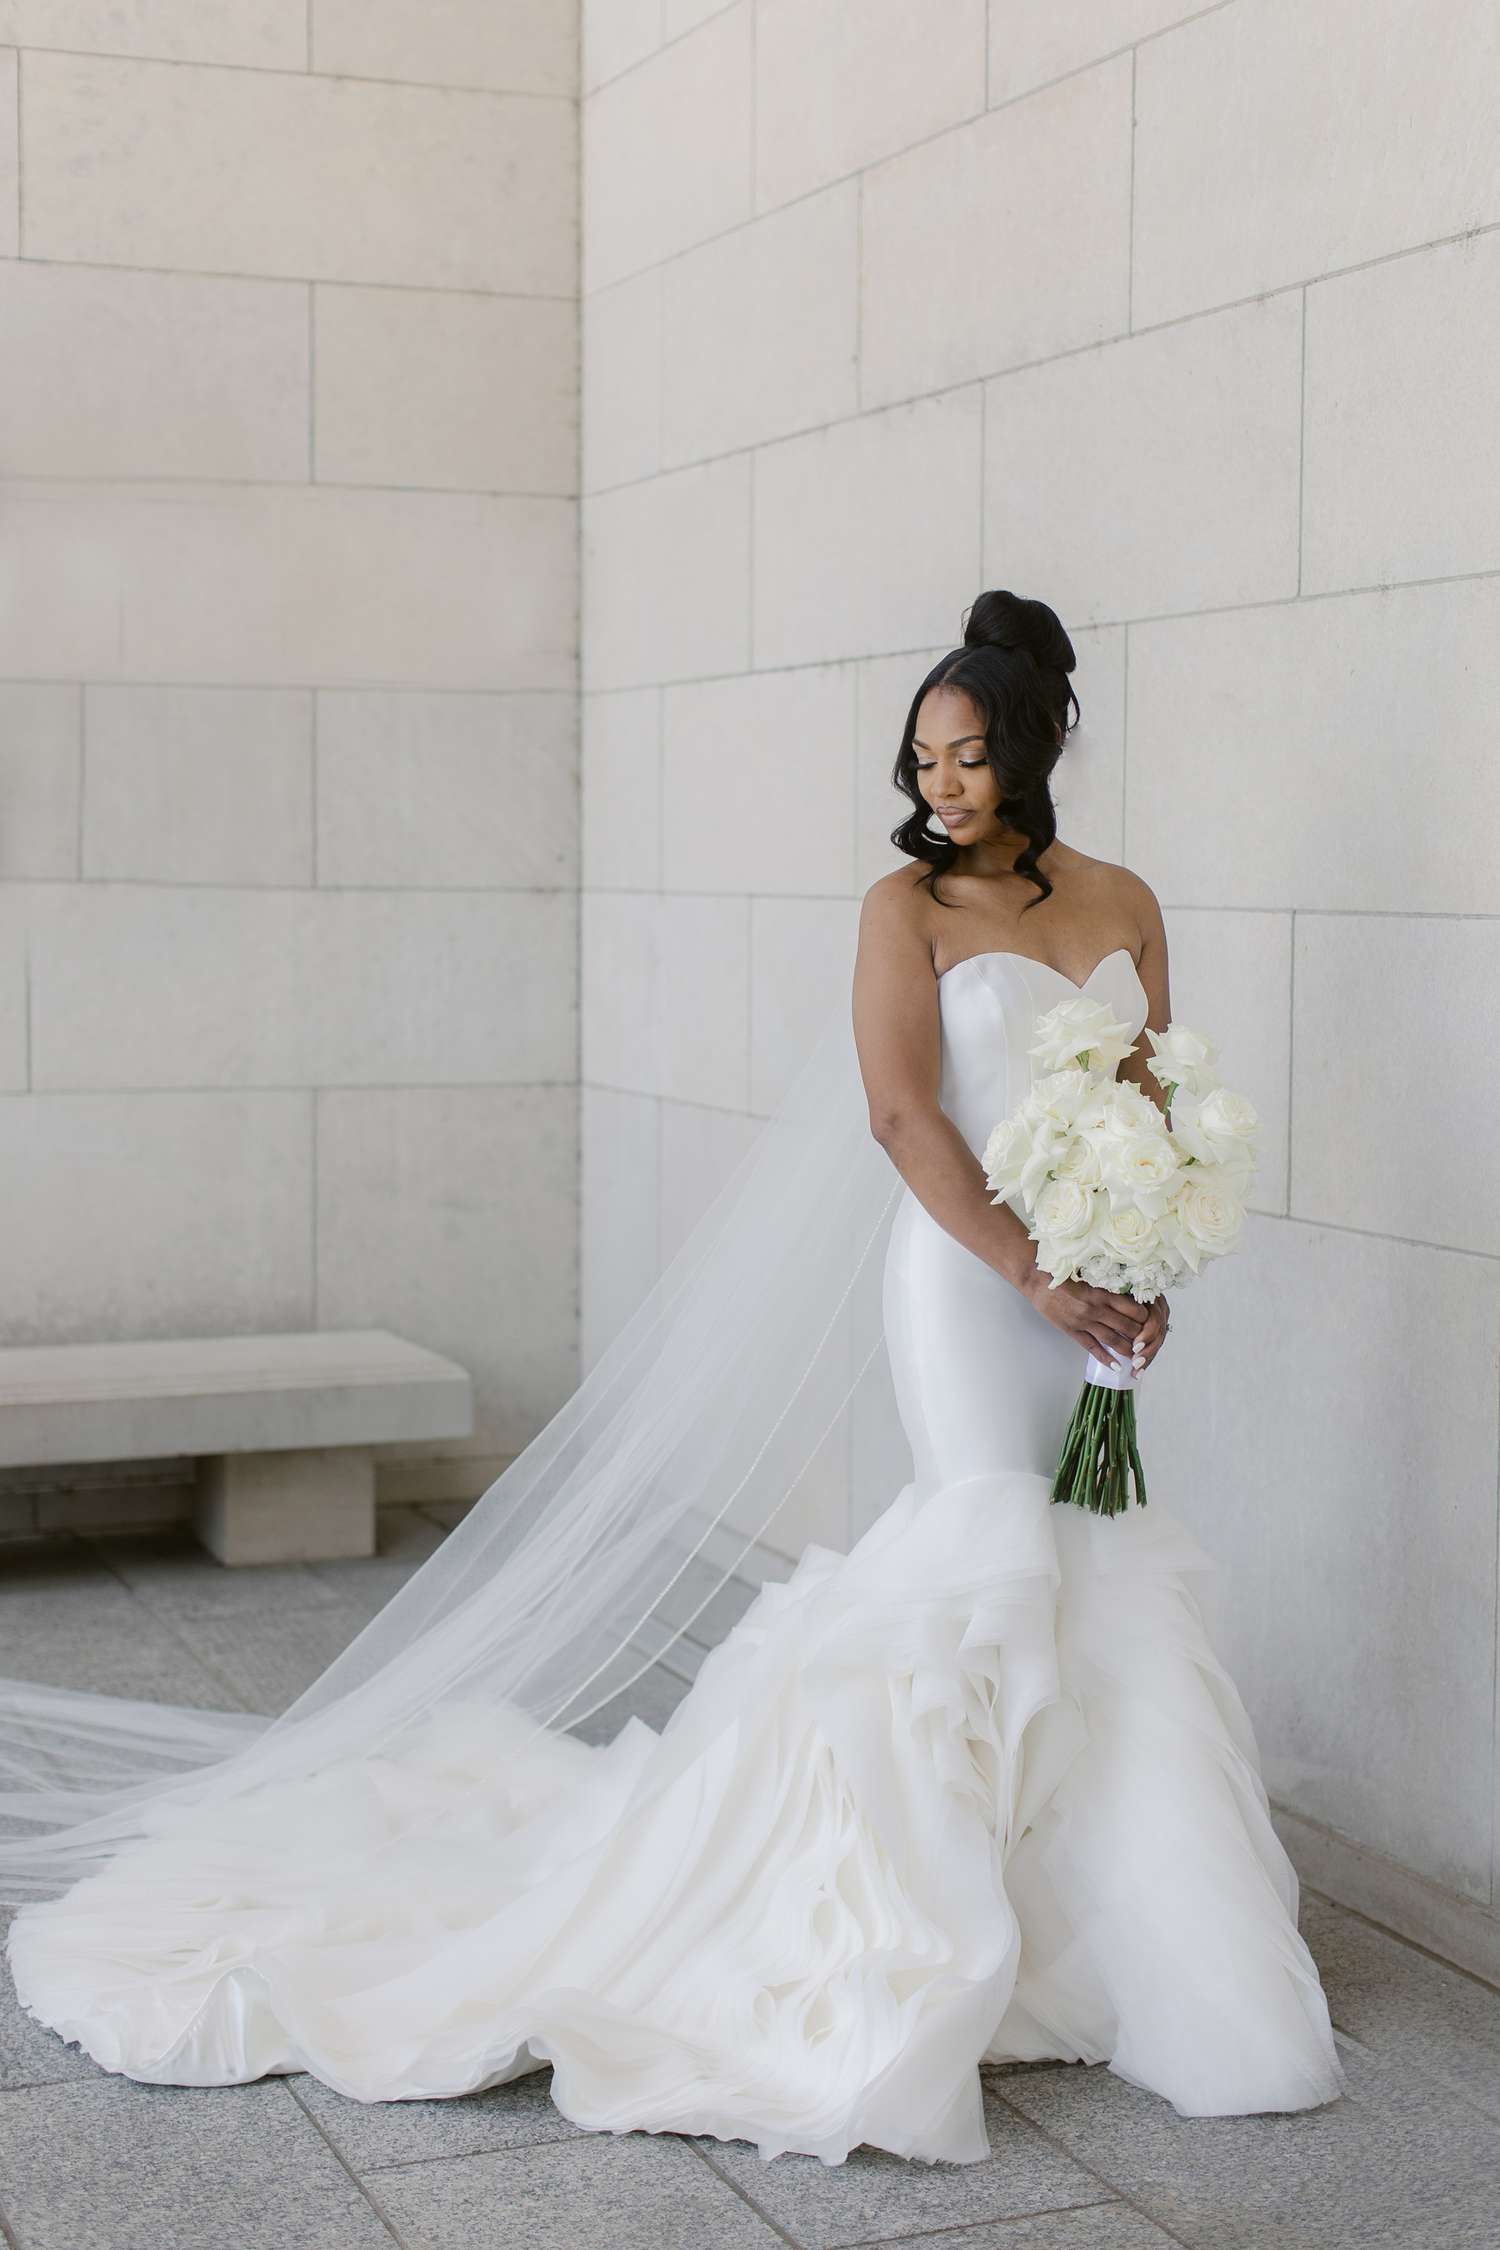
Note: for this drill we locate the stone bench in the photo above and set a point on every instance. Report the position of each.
(282, 1427)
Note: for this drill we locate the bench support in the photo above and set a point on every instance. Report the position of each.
(299, 1505)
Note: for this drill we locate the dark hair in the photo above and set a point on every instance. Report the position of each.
(1014, 666)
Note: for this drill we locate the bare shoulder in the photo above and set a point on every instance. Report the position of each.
(893, 907)
(1129, 894)
(1137, 904)
(895, 937)
(1137, 893)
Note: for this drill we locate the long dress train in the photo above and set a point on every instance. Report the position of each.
(978, 1789)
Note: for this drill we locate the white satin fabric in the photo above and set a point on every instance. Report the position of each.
(979, 1789)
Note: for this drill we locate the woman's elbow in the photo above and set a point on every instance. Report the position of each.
(891, 1120)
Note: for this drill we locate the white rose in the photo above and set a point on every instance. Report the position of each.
(1005, 1154)
(1064, 1212)
(1097, 1113)
(1229, 1119)
(1136, 1105)
(1079, 1161)
(1185, 1056)
(1080, 1027)
(1128, 1234)
(1208, 1214)
(1021, 1152)
(1049, 1147)
(1122, 1109)
(1056, 1257)
(1218, 1127)
(1140, 1167)
(1059, 1096)
(1137, 1158)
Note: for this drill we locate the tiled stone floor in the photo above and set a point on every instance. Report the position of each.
(1081, 2160)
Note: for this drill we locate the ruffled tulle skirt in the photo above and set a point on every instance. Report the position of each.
(978, 1790)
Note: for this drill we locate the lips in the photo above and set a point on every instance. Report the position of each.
(952, 819)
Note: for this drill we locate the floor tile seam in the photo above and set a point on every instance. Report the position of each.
(170, 1614)
(1384, 2066)
(321, 1592)
(743, 2194)
(1112, 2187)
(940, 2235)
(370, 2201)
(1390, 2066)
(1407, 1944)
(544, 2139)
(34, 2085)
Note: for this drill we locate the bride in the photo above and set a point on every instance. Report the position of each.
(978, 1789)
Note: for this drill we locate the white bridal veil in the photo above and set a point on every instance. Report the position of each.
(733, 1382)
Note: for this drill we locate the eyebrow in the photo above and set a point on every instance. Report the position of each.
(918, 744)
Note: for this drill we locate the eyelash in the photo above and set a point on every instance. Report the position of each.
(923, 764)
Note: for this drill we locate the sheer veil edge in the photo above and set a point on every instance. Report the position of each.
(740, 1381)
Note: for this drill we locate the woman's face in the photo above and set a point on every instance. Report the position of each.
(953, 773)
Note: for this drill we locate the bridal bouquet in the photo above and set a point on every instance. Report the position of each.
(1114, 1195)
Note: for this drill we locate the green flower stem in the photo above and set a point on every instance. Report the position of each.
(1100, 1456)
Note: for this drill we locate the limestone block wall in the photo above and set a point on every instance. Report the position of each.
(1185, 319)
(288, 646)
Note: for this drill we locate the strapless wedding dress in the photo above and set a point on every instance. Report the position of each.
(978, 1789)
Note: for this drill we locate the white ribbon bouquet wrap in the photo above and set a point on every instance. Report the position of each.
(1118, 1195)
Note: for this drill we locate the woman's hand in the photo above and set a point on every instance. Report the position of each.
(1101, 1321)
(1153, 1329)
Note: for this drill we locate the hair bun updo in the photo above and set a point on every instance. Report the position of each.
(1001, 619)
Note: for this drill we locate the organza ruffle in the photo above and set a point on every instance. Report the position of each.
(979, 1789)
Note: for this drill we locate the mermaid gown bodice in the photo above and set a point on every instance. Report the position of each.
(981, 1380)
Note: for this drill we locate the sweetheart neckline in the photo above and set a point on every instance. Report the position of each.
(1009, 953)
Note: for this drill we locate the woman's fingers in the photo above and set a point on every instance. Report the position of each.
(1153, 1331)
(1105, 1349)
(1117, 1324)
(1111, 1325)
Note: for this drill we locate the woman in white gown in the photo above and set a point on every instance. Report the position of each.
(978, 1789)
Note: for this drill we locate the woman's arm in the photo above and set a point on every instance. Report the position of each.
(1152, 971)
(898, 1037)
